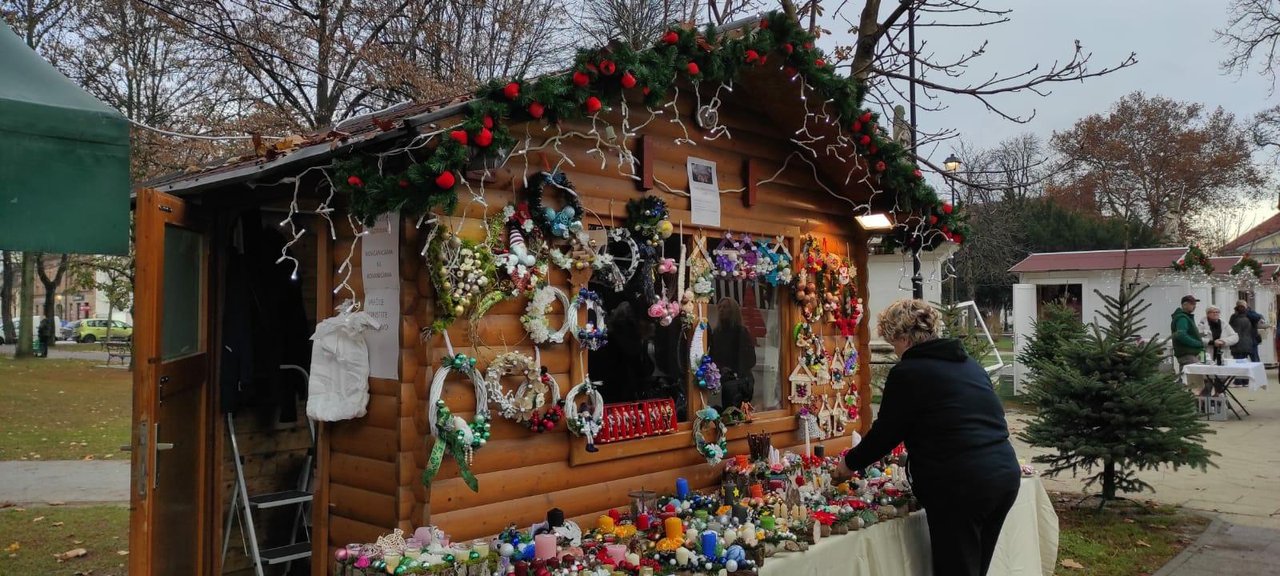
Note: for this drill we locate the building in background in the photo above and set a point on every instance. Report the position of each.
(71, 302)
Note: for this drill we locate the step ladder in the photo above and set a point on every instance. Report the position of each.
(243, 505)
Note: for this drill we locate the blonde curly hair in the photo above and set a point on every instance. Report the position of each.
(914, 320)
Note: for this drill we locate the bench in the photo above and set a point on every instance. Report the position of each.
(121, 350)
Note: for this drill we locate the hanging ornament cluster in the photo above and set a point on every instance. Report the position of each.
(522, 269)
(1194, 260)
(648, 221)
(464, 276)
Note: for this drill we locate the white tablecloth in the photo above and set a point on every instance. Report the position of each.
(1256, 372)
(1028, 545)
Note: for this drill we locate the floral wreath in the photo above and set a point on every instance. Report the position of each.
(509, 364)
(564, 223)
(778, 271)
(1247, 263)
(1194, 258)
(465, 284)
(701, 272)
(647, 218)
(705, 371)
(535, 315)
(585, 423)
(453, 433)
(546, 420)
(727, 257)
(519, 258)
(593, 335)
(714, 453)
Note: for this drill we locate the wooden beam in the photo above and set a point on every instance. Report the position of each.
(753, 180)
(645, 146)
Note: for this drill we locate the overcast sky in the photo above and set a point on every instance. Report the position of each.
(1178, 57)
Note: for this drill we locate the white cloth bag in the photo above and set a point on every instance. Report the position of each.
(339, 386)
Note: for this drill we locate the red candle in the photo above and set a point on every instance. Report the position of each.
(642, 522)
(757, 491)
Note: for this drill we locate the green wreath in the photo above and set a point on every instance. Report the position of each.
(713, 452)
(1247, 262)
(563, 223)
(467, 288)
(1195, 258)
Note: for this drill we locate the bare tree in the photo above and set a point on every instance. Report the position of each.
(880, 55)
(635, 23)
(51, 289)
(1253, 37)
(7, 273)
(36, 21)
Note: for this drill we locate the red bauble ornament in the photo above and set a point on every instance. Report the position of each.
(536, 109)
(446, 180)
(355, 181)
(693, 69)
(947, 208)
(487, 122)
(857, 126)
(459, 136)
(866, 117)
(880, 166)
(645, 90)
(511, 90)
(593, 105)
(819, 62)
(628, 80)
(608, 68)
(763, 59)
(404, 183)
(484, 138)
(957, 238)
(865, 140)
(918, 174)
(752, 56)
(808, 45)
(670, 37)
(788, 48)
(789, 71)
(580, 79)
(872, 149)
(764, 24)
(933, 219)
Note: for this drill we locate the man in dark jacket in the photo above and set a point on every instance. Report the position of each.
(939, 402)
(1187, 345)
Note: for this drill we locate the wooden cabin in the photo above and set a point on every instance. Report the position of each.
(772, 184)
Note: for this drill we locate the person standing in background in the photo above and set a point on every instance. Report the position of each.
(1258, 324)
(1218, 336)
(1247, 345)
(1187, 345)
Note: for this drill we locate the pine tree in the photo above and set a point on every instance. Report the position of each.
(1057, 326)
(954, 325)
(1108, 405)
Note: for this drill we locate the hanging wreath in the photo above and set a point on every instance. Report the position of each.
(713, 452)
(586, 419)
(510, 405)
(701, 272)
(464, 276)
(1194, 259)
(563, 223)
(647, 218)
(1247, 263)
(452, 433)
(607, 262)
(544, 418)
(518, 259)
(705, 371)
(778, 271)
(593, 334)
(535, 315)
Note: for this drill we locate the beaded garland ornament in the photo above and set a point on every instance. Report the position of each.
(586, 419)
(713, 452)
(535, 316)
(593, 334)
(464, 276)
(452, 433)
(563, 223)
(647, 218)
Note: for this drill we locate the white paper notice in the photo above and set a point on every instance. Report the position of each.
(704, 192)
(380, 264)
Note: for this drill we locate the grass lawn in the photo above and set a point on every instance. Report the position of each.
(1125, 538)
(31, 538)
(63, 410)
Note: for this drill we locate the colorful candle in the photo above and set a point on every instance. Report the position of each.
(606, 524)
(709, 542)
(642, 522)
(481, 547)
(757, 491)
(674, 527)
(544, 546)
(682, 488)
(768, 522)
(616, 552)
(743, 460)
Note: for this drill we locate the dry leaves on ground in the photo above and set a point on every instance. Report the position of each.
(1072, 564)
(1143, 544)
(69, 554)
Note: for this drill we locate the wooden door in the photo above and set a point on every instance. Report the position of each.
(170, 487)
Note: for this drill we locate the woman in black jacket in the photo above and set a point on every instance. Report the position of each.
(963, 470)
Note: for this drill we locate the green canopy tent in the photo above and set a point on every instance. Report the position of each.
(64, 160)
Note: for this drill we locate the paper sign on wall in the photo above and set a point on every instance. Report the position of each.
(380, 265)
(704, 192)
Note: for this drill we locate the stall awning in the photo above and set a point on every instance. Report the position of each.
(64, 160)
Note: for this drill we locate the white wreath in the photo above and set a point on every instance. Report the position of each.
(437, 387)
(535, 315)
(590, 306)
(580, 424)
(608, 263)
(509, 364)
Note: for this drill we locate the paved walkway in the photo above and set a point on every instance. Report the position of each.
(57, 352)
(1227, 548)
(65, 481)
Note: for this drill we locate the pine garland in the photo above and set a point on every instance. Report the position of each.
(1195, 258)
(603, 75)
(1247, 263)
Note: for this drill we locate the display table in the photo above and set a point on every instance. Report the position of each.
(1028, 545)
(1256, 372)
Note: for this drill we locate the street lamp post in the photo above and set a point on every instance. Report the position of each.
(952, 164)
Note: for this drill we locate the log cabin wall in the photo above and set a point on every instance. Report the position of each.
(374, 464)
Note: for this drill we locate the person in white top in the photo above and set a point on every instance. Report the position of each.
(1218, 336)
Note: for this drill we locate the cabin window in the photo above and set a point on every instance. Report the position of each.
(745, 340)
(1069, 295)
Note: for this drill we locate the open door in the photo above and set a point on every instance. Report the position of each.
(171, 445)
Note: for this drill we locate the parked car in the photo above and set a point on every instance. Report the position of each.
(90, 331)
(68, 331)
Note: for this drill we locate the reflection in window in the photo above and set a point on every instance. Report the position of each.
(643, 359)
(745, 341)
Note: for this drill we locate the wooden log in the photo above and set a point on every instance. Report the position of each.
(363, 505)
(366, 441)
(344, 530)
(364, 473)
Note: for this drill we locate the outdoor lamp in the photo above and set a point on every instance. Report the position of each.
(874, 222)
(952, 163)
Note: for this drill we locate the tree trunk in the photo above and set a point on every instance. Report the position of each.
(1109, 480)
(6, 296)
(25, 306)
(51, 295)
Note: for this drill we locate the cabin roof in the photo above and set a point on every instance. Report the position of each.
(1266, 228)
(1100, 260)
